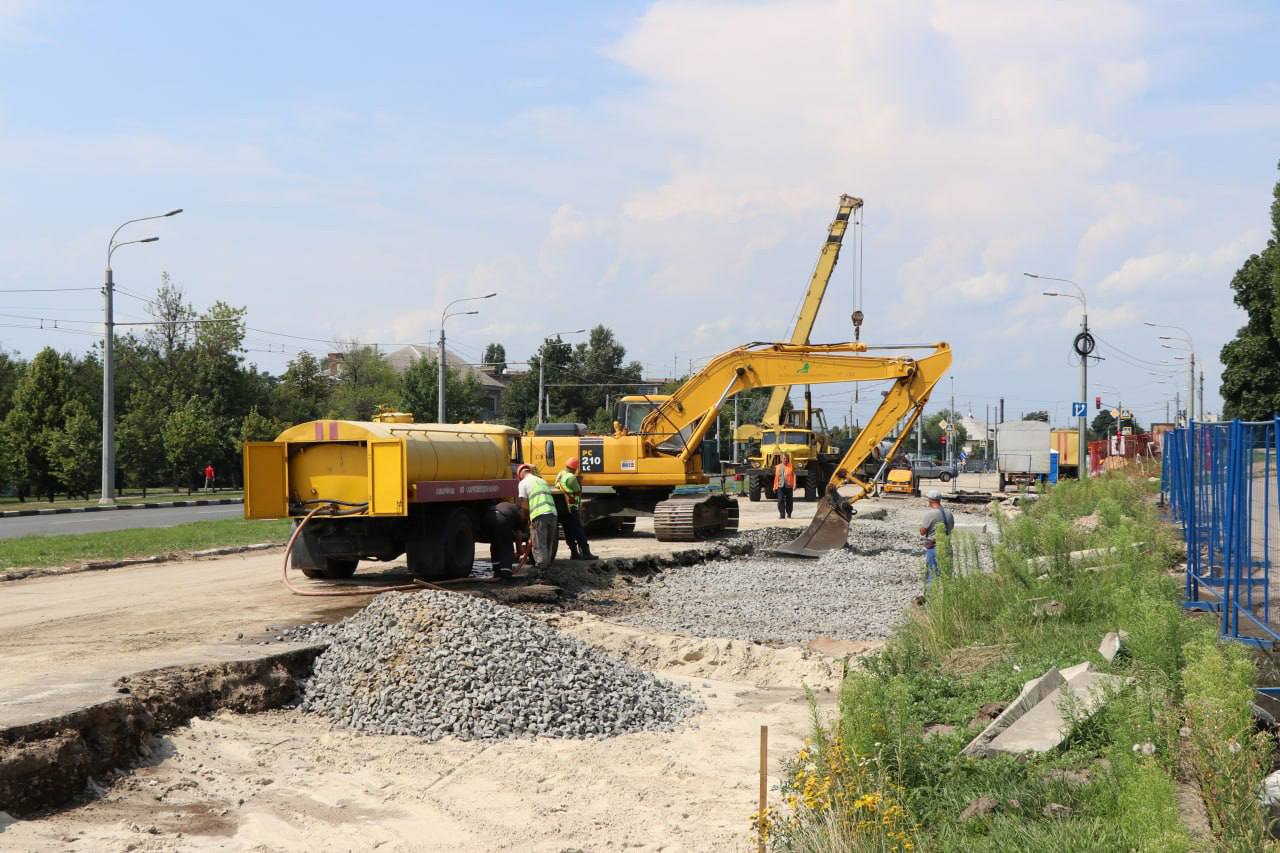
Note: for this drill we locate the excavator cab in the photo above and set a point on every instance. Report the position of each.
(631, 410)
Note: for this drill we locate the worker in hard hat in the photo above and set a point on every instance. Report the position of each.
(539, 506)
(938, 515)
(575, 533)
(504, 524)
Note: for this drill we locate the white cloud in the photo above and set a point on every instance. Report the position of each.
(1165, 271)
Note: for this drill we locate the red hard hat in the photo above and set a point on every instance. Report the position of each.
(524, 466)
(572, 462)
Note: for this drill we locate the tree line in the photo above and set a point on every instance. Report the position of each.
(186, 398)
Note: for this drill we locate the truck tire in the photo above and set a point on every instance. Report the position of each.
(455, 536)
(811, 484)
(769, 492)
(945, 476)
(331, 569)
(753, 491)
(445, 549)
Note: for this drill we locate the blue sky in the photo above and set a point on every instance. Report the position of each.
(666, 169)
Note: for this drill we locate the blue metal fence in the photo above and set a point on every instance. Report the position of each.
(1217, 478)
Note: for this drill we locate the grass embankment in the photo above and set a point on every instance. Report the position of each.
(871, 779)
(71, 548)
(153, 496)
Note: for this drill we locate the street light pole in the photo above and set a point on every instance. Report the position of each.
(108, 487)
(542, 373)
(1191, 373)
(1083, 347)
(444, 316)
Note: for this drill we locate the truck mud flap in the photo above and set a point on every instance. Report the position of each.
(828, 531)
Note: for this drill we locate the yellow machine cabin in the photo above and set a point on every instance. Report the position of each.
(383, 488)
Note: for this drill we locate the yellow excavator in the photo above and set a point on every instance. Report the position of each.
(809, 448)
(656, 446)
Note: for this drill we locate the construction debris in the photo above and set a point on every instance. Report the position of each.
(435, 665)
(1042, 715)
(1111, 645)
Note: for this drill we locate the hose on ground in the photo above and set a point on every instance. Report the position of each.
(350, 590)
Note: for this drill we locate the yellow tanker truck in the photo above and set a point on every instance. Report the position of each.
(387, 487)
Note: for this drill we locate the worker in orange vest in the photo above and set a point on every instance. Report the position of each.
(784, 483)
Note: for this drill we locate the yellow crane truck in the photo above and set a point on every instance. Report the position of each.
(655, 447)
(809, 449)
(384, 488)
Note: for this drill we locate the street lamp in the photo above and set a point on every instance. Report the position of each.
(1191, 374)
(542, 374)
(1083, 346)
(445, 315)
(108, 496)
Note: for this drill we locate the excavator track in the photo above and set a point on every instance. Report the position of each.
(695, 518)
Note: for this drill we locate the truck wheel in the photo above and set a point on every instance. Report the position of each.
(945, 477)
(753, 492)
(455, 537)
(331, 569)
(811, 487)
(770, 493)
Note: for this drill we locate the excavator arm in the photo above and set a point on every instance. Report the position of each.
(830, 526)
(691, 410)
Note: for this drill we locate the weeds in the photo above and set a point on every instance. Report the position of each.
(981, 634)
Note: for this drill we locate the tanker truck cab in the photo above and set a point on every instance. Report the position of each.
(383, 488)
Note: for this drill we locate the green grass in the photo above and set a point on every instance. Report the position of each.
(979, 638)
(153, 496)
(72, 548)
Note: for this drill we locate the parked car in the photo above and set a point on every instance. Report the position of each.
(935, 469)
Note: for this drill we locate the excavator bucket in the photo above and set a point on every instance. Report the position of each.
(828, 531)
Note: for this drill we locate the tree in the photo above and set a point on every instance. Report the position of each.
(257, 427)
(520, 399)
(365, 382)
(420, 384)
(192, 439)
(933, 432)
(1104, 424)
(1040, 415)
(303, 392)
(74, 450)
(496, 355)
(140, 450)
(37, 410)
(1251, 361)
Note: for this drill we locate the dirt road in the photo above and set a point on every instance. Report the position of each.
(288, 781)
(60, 635)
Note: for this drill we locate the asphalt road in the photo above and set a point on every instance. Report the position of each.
(121, 519)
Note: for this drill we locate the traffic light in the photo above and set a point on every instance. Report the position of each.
(1097, 402)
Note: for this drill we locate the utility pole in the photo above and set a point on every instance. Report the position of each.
(1191, 387)
(1083, 347)
(951, 427)
(1202, 393)
(444, 316)
(108, 495)
(1177, 405)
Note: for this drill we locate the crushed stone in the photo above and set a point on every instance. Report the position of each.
(435, 665)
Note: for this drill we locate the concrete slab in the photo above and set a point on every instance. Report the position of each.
(1031, 694)
(1048, 723)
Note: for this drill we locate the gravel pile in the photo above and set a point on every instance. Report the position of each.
(857, 593)
(435, 664)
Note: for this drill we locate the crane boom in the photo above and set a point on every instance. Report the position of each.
(818, 282)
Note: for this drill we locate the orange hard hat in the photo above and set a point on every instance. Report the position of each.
(572, 462)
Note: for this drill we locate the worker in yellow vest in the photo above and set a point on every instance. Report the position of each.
(784, 484)
(539, 506)
(575, 533)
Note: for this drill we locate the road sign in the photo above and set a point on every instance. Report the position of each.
(1078, 410)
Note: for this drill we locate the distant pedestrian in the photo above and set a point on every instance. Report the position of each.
(208, 478)
(784, 483)
(539, 506)
(504, 525)
(574, 532)
(937, 515)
